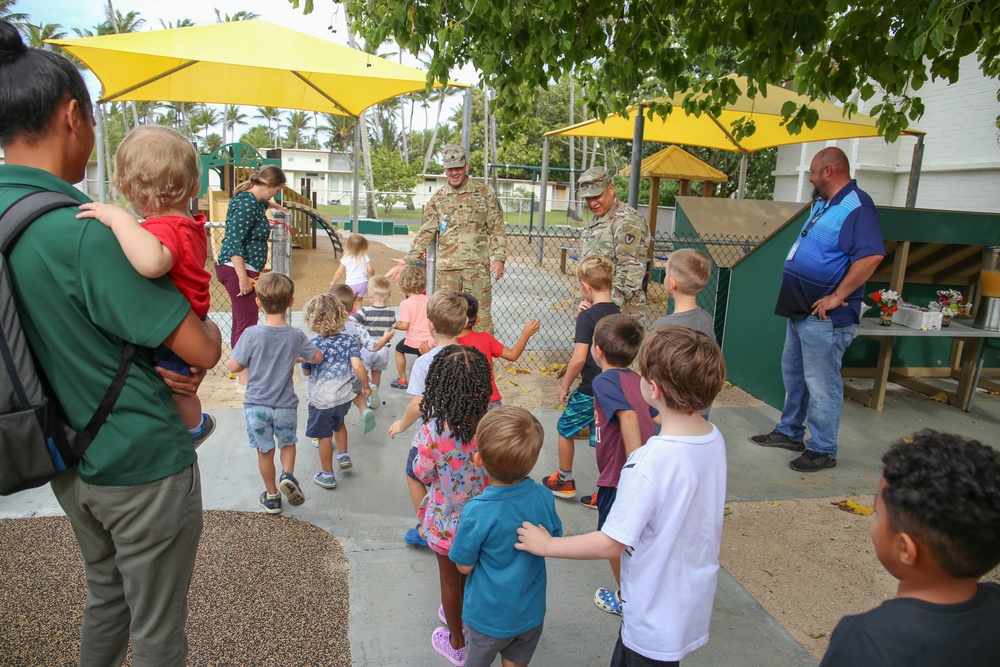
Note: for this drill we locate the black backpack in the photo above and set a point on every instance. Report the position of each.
(35, 441)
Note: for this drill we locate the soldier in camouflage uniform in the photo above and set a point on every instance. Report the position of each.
(618, 232)
(470, 225)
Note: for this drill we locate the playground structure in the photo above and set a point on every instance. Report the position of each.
(232, 164)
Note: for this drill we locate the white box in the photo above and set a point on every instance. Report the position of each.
(916, 317)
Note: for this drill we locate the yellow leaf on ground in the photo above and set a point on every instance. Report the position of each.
(727, 512)
(817, 635)
(940, 397)
(511, 383)
(854, 508)
(776, 503)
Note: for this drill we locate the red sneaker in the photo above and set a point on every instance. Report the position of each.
(561, 488)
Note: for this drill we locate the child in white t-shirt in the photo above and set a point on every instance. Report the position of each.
(356, 267)
(666, 523)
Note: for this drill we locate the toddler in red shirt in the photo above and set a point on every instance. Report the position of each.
(490, 346)
(156, 169)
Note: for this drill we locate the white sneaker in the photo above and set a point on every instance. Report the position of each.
(373, 400)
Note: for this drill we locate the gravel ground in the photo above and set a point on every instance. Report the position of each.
(267, 590)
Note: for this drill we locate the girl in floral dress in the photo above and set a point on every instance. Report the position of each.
(456, 394)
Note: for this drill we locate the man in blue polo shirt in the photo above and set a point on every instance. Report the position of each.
(821, 289)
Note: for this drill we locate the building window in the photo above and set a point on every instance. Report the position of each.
(317, 160)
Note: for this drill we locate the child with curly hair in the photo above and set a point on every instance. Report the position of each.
(330, 381)
(937, 530)
(455, 399)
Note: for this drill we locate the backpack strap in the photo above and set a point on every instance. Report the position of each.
(26, 210)
(13, 222)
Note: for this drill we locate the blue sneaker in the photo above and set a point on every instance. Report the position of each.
(414, 537)
(271, 504)
(608, 600)
(325, 479)
(207, 428)
(289, 486)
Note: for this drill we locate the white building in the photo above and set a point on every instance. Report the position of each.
(961, 164)
(330, 175)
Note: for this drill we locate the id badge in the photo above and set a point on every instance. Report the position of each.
(443, 225)
(791, 253)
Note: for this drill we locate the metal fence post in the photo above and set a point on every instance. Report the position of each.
(431, 263)
(281, 245)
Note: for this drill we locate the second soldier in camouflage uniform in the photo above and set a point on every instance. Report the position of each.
(617, 232)
(472, 242)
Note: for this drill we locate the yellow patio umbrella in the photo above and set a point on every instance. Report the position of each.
(716, 131)
(251, 63)
(711, 131)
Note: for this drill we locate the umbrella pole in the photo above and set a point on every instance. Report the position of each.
(633, 184)
(102, 184)
(357, 174)
(540, 250)
(741, 192)
(915, 164)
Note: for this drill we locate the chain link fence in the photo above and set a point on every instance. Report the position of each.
(220, 307)
(539, 283)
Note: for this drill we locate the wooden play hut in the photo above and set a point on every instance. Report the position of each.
(926, 250)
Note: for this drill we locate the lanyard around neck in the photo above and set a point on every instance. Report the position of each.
(816, 216)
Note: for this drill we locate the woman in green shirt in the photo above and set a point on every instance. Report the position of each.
(244, 248)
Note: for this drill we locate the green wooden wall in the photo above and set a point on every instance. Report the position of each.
(753, 336)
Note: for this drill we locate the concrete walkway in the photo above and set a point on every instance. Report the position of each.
(394, 587)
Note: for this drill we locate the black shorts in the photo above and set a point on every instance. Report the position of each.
(402, 347)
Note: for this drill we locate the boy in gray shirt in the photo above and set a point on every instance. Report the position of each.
(687, 273)
(270, 352)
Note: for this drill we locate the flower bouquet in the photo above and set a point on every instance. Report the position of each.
(951, 303)
(887, 302)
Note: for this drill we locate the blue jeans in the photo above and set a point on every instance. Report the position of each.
(814, 389)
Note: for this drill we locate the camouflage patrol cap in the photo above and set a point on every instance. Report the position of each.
(594, 181)
(454, 156)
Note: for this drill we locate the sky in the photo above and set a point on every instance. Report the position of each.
(86, 14)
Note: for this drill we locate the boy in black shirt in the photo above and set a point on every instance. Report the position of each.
(937, 530)
(594, 275)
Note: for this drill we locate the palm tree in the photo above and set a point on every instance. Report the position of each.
(257, 136)
(270, 115)
(180, 23)
(119, 24)
(37, 34)
(297, 123)
(232, 115)
(441, 95)
(238, 16)
(340, 128)
(8, 14)
(204, 117)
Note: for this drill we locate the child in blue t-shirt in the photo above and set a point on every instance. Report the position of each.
(505, 591)
(331, 383)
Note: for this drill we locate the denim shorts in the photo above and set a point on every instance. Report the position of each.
(409, 464)
(164, 357)
(269, 426)
(324, 421)
(480, 649)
